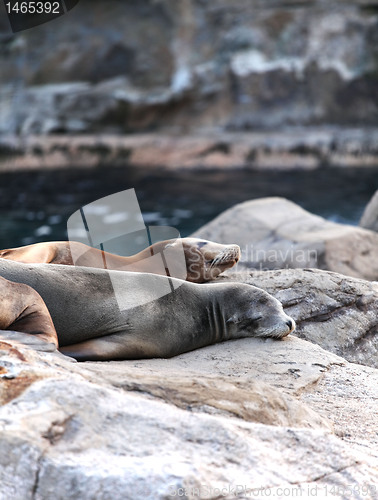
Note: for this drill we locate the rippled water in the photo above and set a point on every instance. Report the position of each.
(34, 206)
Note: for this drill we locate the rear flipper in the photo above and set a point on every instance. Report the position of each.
(100, 349)
(116, 346)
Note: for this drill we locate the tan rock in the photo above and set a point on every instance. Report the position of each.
(100, 430)
(274, 233)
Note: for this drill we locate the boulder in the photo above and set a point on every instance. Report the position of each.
(369, 219)
(158, 429)
(334, 311)
(275, 233)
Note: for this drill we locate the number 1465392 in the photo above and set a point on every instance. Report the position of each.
(34, 7)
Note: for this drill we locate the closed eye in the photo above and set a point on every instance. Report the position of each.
(245, 321)
(248, 322)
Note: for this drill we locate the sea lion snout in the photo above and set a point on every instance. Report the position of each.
(284, 324)
(237, 252)
(225, 255)
(220, 259)
(291, 324)
(206, 260)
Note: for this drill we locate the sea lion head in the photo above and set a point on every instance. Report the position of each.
(189, 259)
(256, 313)
(206, 260)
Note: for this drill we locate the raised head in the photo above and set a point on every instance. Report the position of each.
(206, 260)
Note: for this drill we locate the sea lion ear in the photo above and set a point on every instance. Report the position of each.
(233, 319)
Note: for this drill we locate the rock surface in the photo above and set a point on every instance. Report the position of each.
(369, 219)
(137, 66)
(127, 430)
(293, 148)
(275, 233)
(334, 311)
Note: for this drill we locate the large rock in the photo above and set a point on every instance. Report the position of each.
(275, 233)
(369, 219)
(243, 65)
(127, 430)
(331, 310)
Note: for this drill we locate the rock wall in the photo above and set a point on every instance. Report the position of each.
(136, 66)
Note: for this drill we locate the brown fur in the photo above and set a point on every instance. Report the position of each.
(205, 260)
(23, 310)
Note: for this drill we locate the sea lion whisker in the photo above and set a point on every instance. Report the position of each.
(214, 262)
(220, 259)
(223, 258)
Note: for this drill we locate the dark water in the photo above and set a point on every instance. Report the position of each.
(34, 206)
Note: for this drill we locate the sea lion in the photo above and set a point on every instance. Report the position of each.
(204, 260)
(91, 326)
(23, 310)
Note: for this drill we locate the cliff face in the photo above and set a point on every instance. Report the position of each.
(188, 64)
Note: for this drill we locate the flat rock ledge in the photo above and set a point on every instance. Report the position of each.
(306, 149)
(243, 417)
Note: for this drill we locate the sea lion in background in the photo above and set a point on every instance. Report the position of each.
(23, 310)
(91, 326)
(205, 260)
